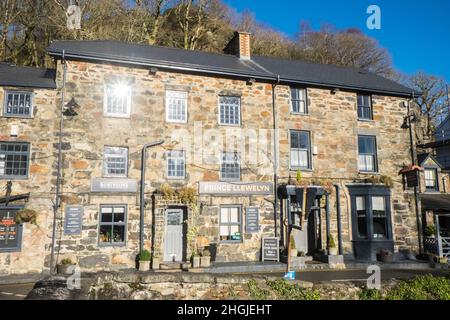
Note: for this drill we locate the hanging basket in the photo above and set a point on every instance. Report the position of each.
(26, 216)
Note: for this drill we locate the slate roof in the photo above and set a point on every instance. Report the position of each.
(424, 156)
(290, 71)
(11, 75)
(435, 202)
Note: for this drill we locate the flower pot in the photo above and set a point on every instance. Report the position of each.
(144, 266)
(155, 263)
(195, 262)
(385, 256)
(333, 251)
(293, 252)
(65, 269)
(205, 262)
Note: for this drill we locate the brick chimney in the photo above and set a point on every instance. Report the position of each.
(239, 45)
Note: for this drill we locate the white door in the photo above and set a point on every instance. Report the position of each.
(173, 240)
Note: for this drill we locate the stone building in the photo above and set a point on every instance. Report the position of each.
(235, 128)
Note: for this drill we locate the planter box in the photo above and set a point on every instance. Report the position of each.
(195, 262)
(144, 266)
(298, 262)
(63, 269)
(155, 264)
(336, 262)
(205, 262)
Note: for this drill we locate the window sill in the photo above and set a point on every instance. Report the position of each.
(366, 120)
(13, 178)
(176, 122)
(369, 173)
(110, 116)
(300, 114)
(17, 116)
(181, 179)
(115, 177)
(230, 125)
(300, 168)
(108, 245)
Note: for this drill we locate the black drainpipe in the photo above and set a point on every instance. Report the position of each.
(275, 149)
(338, 211)
(57, 201)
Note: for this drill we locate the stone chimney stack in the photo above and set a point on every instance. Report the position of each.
(240, 45)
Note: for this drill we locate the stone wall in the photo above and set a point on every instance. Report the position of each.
(41, 132)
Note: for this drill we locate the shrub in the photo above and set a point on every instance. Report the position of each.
(421, 288)
(331, 243)
(370, 294)
(67, 262)
(287, 291)
(430, 230)
(256, 293)
(145, 255)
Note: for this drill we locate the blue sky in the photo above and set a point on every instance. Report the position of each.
(415, 32)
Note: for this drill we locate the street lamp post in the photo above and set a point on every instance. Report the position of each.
(142, 197)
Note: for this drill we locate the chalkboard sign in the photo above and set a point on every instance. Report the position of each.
(10, 231)
(252, 220)
(74, 220)
(270, 249)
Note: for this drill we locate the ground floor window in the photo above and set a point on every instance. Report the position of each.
(371, 213)
(10, 231)
(231, 223)
(112, 224)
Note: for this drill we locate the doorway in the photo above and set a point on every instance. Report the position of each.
(174, 236)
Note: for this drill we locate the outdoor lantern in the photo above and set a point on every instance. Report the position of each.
(69, 108)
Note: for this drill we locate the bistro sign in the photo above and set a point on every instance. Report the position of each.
(113, 185)
(231, 188)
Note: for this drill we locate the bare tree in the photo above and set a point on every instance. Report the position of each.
(8, 14)
(429, 104)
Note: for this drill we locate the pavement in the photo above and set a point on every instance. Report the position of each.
(18, 291)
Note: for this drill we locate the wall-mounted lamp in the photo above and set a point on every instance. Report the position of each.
(335, 90)
(153, 71)
(14, 130)
(69, 108)
(251, 81)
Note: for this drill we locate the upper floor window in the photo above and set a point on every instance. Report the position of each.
(18, 104)
(14, 159)
(230, 168)
(367, 154)
(299, 101)
(176, 106)
(176, 164)
(300, 153)
(115, 162)
(117, 101)
(431, 182)
(365, 107)
(230, 110)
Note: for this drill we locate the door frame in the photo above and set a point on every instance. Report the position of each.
(184, 212)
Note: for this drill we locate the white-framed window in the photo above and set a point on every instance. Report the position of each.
(176, 164)
(365, 107)
(299, 101)
(230, 223)
(431, 182)
(14, 160)
(230, 110)
(117, 100)
(18, 104)
(176, 106)
(115, 162)
(230, 166)
(300, 151)
(112, 225)
(367, 154)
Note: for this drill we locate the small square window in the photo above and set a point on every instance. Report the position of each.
(14, 160)
(18, 104)
(176, 106)
(115, 162)
(229, 110)
(176, 165)
(117, 101)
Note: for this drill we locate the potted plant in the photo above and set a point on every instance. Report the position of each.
(385, 256)
(64, 265)
(332, 249)
(293, 250)
(195, 260)
(144, 260)
(430, 231)
(26, 216)
(205, 260)
(155, 262)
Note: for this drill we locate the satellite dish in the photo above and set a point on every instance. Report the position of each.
(73, 14)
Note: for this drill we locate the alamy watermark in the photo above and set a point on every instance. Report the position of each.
(374, 20)
(374, 280)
